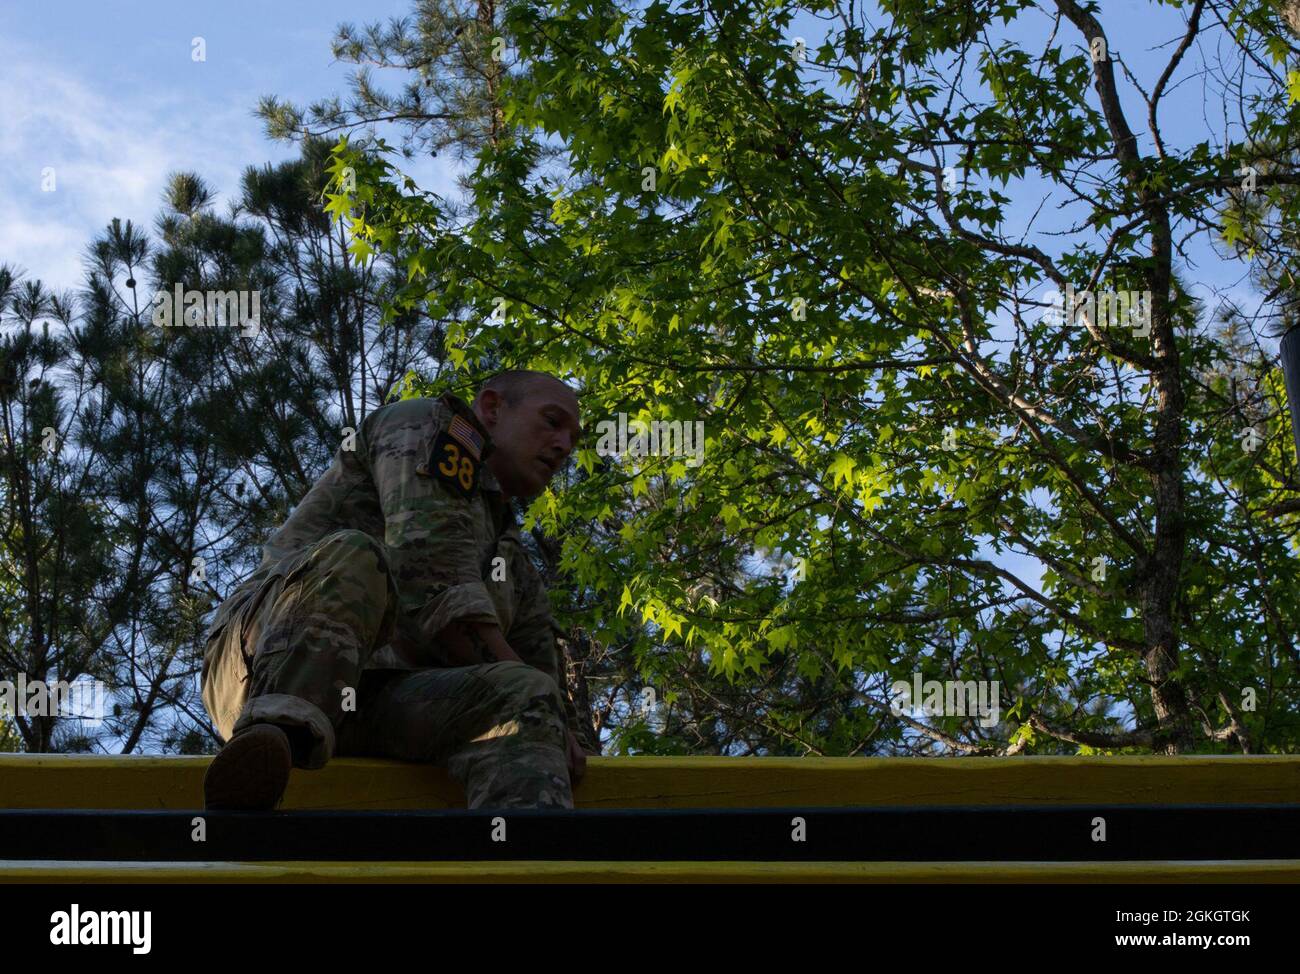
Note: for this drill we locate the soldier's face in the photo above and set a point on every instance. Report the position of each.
(532, 438)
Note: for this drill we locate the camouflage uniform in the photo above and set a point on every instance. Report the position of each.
(334, 631)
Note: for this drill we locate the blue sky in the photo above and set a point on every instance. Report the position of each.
(106, 93)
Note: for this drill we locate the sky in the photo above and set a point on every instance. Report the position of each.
(106, 93)
(108, 96)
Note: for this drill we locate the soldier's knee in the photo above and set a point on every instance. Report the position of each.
(526, 693)
(521, 708)
(519, 680)
(350, 569)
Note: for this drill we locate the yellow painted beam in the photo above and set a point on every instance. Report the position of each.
(94, 781)
(1243, 871)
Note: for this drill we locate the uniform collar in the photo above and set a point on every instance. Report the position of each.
(502, 511)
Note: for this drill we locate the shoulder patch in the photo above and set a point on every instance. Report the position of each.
(454, 462)
(467, 436)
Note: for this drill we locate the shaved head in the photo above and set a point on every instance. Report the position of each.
(515, 385)
(534, 423)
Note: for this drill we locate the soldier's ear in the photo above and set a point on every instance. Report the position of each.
(487, 406)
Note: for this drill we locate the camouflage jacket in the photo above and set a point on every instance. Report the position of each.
(414, 480)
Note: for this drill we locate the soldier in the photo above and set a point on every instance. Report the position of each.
(396, 613)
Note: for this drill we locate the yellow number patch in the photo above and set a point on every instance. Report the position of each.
(450, 463)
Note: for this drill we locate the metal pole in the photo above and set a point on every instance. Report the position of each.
(1291, 370)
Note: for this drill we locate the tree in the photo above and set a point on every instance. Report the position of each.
(814, 251)
(58, 593)
(174, 450)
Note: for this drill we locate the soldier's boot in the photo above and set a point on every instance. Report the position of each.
(252, 771)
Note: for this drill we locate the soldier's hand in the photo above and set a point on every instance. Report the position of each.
(577, 758)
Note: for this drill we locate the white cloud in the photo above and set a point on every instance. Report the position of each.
(111, 154)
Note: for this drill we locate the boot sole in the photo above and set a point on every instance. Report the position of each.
(251, 772)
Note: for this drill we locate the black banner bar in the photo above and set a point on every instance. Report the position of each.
(922, 834)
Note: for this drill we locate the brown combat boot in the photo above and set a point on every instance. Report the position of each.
(251, 772)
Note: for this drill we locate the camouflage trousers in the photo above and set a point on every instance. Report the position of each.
(294, 654)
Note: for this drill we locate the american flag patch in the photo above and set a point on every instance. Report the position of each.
(467, 436)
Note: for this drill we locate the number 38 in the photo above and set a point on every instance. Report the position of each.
(462, 468)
